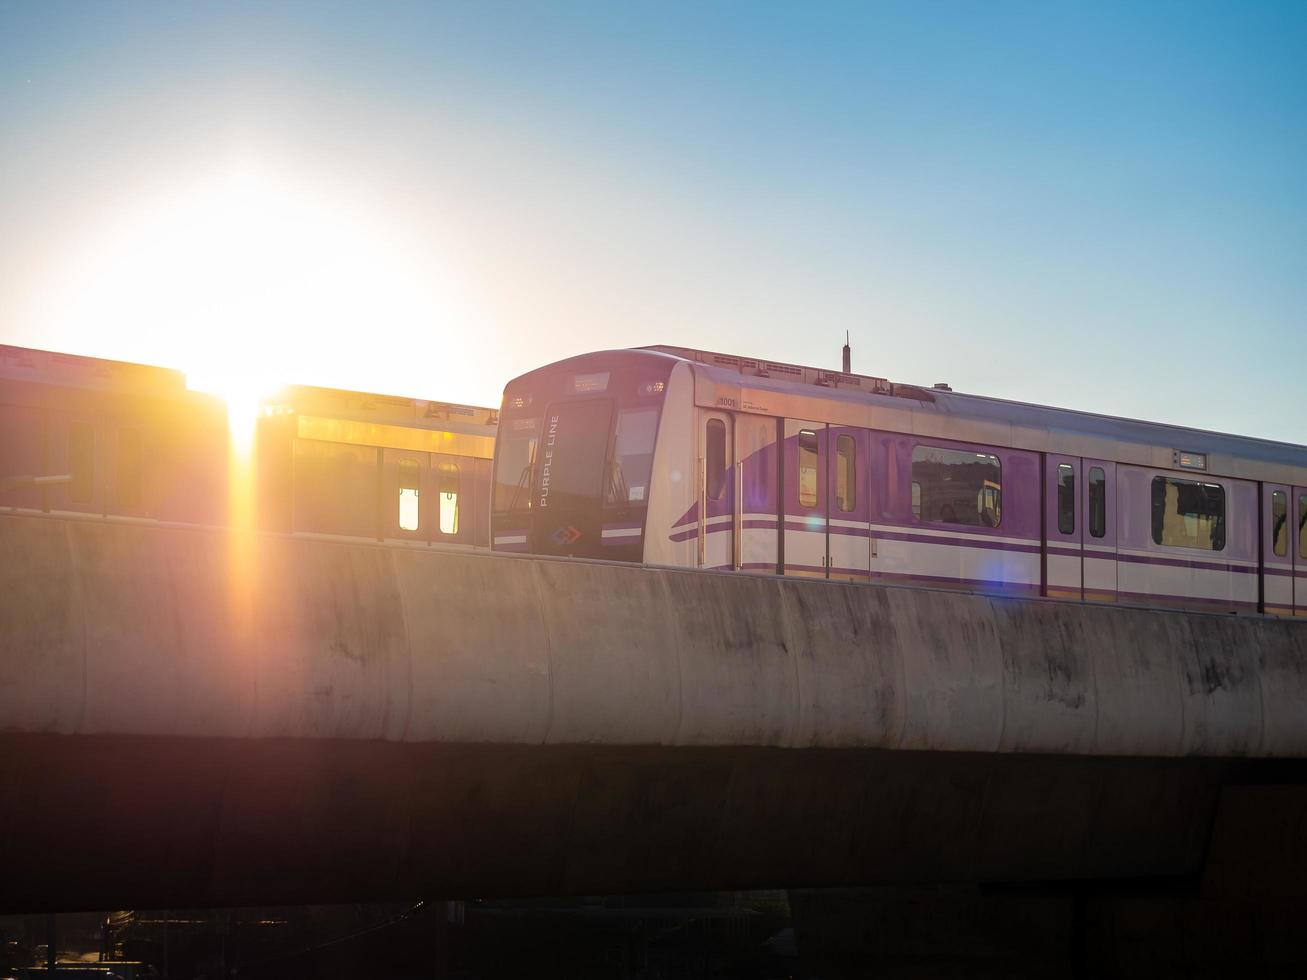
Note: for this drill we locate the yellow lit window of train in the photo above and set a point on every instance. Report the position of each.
(1280, 523)
(449, 480)
(1188, 514)
(807, 468)
(410, 481)
(846, 474)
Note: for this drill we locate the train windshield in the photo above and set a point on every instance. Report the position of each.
(517, 454)
(575, 456)
(573, 447)
(632, 462)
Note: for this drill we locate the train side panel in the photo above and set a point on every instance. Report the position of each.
(671, 524)
(1195, 554)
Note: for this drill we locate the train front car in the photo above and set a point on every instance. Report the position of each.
(574, 460)
(681, 457)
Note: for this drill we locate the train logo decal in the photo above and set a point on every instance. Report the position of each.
(565, 536)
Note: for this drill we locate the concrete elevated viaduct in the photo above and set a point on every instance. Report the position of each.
(189, 717)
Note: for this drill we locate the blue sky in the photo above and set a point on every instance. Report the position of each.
(1098, 206)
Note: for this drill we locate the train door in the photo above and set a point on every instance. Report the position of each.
(1099, 541)
(406, 496)
(1298, 546)
(1064, 524)
(1277, 549)
(804, 514)
(717, 491)
(757, 476)
(848, 547)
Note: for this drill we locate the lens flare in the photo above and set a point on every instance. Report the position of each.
(243, 397)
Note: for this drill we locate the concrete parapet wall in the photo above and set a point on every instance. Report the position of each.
(117, 629)
(343, 722)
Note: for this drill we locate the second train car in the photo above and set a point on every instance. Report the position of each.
(87, 438)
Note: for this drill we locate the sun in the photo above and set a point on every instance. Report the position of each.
(240, 275)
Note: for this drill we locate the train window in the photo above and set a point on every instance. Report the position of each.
(916, 500)
(129, 467)
(715, 459)
(846, 473)
(1279, 523)
(1302, 526)
(410, 485)
(81, 461)
(1187, 514)
(807, 468)
(447, 481)
(515, 455)
(1066, 498)
(633, 446)
(958, 487)
(1097, 502)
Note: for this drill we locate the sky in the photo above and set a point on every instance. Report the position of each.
(1098, 206)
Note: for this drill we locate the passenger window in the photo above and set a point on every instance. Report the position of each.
(715, 461)
(410, 484)
(846, 473)
(448, 478)
(81, 461)
(1279, 523)
(1302, 526)
(129, 467)
(958, 487)
(1187, 514)
(1066, 498)
(1097, 502)
(807, 468)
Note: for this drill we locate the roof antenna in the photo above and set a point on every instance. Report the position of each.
(848, 355)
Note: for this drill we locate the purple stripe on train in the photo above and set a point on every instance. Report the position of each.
(862, 532)
(1211, 566)
(1032, 548)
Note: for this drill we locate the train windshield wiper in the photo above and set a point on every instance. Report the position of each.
(521, 482)
(617, 483)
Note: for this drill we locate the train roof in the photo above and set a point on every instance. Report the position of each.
(794, 391)
(371, 407)
(77, 371)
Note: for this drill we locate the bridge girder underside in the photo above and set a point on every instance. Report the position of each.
(139, 822)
